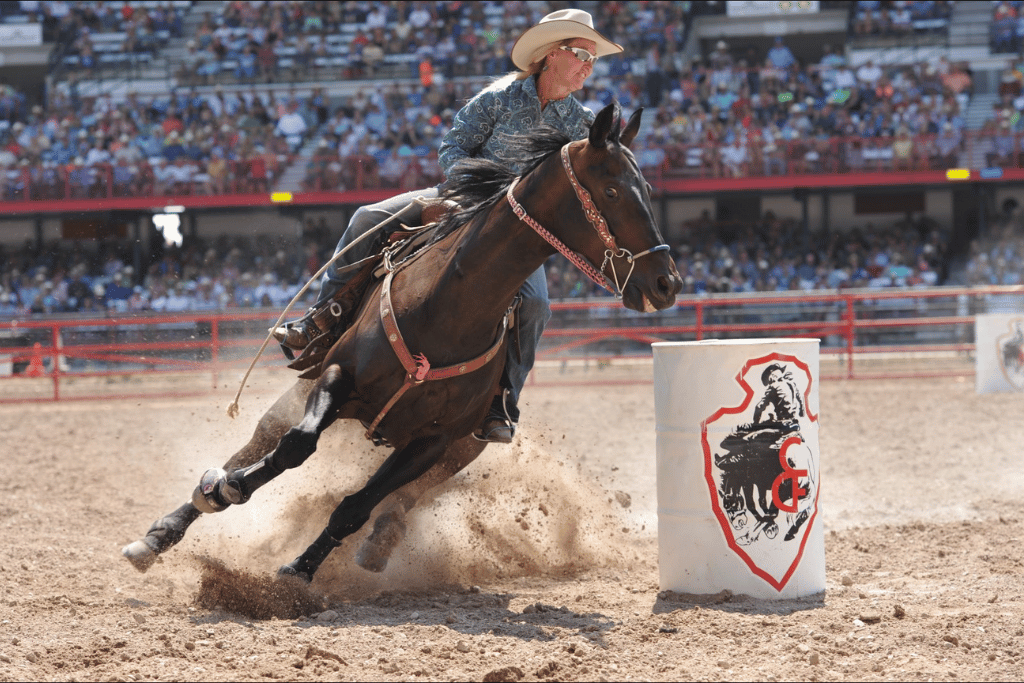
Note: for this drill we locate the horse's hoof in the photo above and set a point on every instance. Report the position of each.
(288, 571)
(388, 531)
(140, 555)
(206, 497)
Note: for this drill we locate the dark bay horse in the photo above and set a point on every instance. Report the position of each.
(425, 352)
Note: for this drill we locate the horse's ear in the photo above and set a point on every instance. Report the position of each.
(606, 125)
(631, 129)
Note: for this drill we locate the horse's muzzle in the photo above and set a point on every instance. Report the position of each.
(653, 298)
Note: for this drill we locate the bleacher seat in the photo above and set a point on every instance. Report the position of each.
(110, 37)
(114, 59)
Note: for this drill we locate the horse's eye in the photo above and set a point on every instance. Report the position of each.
(611, 192)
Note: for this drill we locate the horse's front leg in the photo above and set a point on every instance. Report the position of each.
(169, 530)
(402, 467)
(219, 488)
(389, 527)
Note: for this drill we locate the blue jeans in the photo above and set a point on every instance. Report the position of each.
(534, 312)
(365, 218)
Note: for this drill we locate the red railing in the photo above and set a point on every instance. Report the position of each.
(865, 334)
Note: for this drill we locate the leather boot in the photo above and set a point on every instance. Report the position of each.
(497, 427)
(297, 334)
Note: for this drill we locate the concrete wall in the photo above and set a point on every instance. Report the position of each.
(268, 224)
(15, 232)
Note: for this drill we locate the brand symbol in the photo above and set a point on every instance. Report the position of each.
(1010, 351)
(760, 467)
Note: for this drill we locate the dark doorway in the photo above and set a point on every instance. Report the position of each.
(967, 219)
(738, 208)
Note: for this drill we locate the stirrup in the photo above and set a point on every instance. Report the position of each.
(498, 426)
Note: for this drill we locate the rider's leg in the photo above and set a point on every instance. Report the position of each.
(295, 335)
(534, 313)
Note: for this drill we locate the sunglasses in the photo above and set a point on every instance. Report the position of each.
(581, 54)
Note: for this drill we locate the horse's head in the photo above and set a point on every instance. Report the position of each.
(633, 253)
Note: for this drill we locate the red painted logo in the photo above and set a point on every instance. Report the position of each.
(1011, 354)
(760, 467)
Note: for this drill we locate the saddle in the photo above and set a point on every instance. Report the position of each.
(334, 317)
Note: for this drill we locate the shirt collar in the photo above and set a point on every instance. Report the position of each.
(561, 106)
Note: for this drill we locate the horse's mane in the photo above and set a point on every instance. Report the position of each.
(476, 184)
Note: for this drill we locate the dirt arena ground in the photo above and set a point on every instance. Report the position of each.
(537, 563)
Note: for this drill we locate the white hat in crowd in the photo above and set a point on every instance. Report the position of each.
(554, 28)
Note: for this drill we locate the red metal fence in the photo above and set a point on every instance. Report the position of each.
(864, 334)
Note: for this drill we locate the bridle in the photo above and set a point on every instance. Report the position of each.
(593, 214)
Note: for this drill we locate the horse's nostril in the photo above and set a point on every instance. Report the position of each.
(669, 285)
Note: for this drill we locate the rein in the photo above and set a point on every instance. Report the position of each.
(600, 225)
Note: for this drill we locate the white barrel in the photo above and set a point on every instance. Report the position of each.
(738, 475)
(999, 352)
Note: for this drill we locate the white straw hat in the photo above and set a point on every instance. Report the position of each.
(555, 27)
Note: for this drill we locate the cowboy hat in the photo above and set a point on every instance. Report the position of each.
(555, 27)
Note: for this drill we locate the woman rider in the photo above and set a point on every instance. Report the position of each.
(555, 58)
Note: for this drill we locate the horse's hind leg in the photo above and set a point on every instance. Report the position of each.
(401, 467)
(167, 531)
(389, 527)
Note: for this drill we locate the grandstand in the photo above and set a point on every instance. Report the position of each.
(792, 146)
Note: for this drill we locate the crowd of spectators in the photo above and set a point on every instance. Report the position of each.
(769, 256)
(91, 35)
(715, 117)
(733, 112)
(199, 275)
(1007, 29)
(248, 41)
(732, 115)
(766, 256)
(900, 17)
(180, 144)
(998, 259)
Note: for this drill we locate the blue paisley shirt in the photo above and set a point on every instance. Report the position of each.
(483, 126)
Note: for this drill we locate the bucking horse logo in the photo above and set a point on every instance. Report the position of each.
(1011, 354)
(763, 474)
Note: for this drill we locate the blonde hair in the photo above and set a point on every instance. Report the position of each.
(535, 67)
